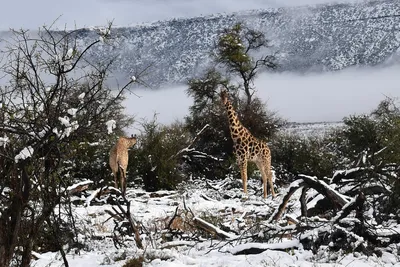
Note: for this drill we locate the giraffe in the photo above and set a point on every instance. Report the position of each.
(119, 159)
(248, 148)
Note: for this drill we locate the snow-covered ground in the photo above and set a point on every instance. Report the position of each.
(233, 211)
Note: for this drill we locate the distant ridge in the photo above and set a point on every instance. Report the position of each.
(308, 38)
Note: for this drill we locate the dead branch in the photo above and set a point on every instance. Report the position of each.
(188, 148)
(212, 229)
(172, 219)
(78, 188)
(292, 188)
(321, 187)
(132, 223)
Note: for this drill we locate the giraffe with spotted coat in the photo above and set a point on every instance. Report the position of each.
(248, 148)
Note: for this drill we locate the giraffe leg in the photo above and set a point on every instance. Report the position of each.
(264, 177)
(243, 173)
(269, 174)
(115, 179)
(123, 182)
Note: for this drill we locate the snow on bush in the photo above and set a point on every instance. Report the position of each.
(24, 154)
(111, 124)
(4, 140)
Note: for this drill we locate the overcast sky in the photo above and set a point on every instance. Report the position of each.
(31, 14)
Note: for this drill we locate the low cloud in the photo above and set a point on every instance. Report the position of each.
(300, 98)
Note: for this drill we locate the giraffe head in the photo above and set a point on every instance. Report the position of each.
(224, 96)
(129, 141)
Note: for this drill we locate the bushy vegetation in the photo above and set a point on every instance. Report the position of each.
(294, 153)
(157, 159)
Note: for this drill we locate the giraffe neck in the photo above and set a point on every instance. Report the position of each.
(235, 126)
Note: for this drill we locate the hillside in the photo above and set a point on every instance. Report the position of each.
(309, 38)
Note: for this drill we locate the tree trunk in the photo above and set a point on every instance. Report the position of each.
(10, 221)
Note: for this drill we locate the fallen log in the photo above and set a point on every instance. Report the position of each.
(321, 187)
(79, 187)
(257, 248)
(212, 229)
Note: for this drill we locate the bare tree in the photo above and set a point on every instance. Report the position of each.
(53, 98)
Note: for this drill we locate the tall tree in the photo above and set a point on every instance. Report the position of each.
(237, 49)
(235, 57)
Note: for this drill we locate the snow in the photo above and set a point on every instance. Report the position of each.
(79, 184)
(154, 210)
(70, 53)
(64, 121)
(69, 127)
(4, 140)
(72, 111)
(111, 124)
(24, 154)
(276, 246)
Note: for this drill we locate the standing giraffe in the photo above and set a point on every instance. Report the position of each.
(119, 160)
(248, 148)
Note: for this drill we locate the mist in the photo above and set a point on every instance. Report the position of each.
(298, 98)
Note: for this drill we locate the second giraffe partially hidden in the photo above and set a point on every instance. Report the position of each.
(248, 148)
(119, 160)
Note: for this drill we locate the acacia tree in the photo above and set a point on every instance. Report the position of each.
(54, 100)
(235, 60)
(236, 50)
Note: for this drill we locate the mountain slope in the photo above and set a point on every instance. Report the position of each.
(323, 37)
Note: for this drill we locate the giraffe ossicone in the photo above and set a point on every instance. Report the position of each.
(119, 160)
(248, 148)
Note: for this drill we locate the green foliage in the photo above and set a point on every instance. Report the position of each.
(231, 50)
(156, 158)
(293, 154)
(236, 48)
(371, 139)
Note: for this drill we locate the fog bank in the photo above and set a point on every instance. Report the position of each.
(299, 98)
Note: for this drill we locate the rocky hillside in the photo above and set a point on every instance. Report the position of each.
(317, 38)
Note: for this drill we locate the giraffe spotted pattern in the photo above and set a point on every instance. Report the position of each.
(248, 148)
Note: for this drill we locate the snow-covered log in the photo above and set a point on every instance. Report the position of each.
(337, 199)
(323, 188)
(79, 187)
(256, 248)
(212, 229)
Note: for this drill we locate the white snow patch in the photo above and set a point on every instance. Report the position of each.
(24, 154)
(69, 188)
(64, 121)
(72, 111)
(111, 124)
(4, 140)
(283, 245)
